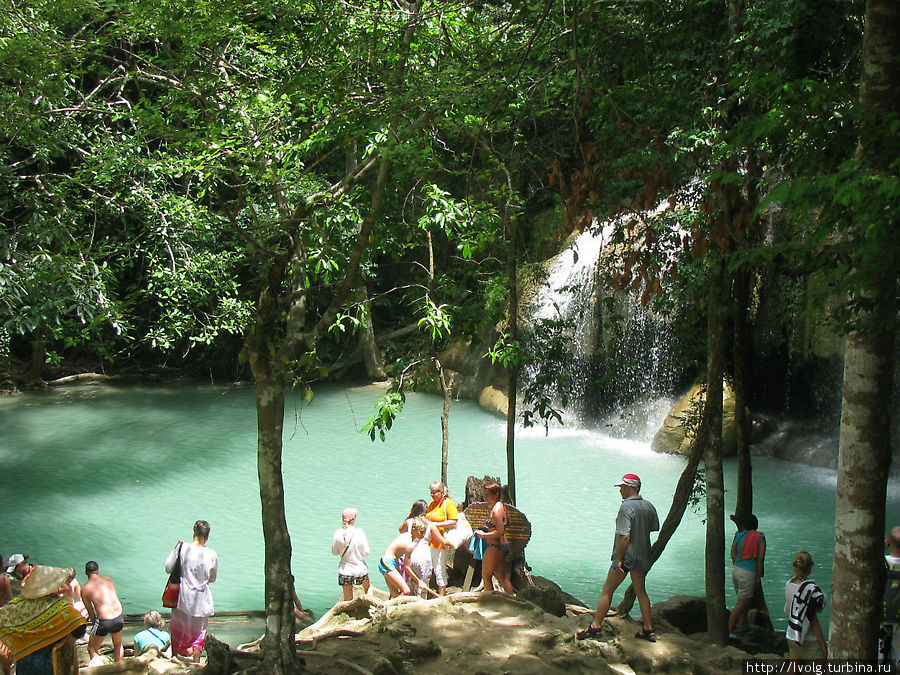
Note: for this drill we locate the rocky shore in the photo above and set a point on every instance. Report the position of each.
(472, 632)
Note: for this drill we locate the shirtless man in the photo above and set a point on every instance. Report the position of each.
(104, 610)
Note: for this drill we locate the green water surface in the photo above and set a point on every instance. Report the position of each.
(119, 474)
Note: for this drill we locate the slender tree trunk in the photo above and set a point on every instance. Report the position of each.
(744, 501)
(715, 486)
(447, 391)
(278, 646)
(864, 446)
(371, 354)
(512, 228)
(744, 505)
(32, 375)
(270, 365)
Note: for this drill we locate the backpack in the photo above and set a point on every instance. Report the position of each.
(891, 601)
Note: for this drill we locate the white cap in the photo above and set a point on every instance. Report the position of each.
(14, 560)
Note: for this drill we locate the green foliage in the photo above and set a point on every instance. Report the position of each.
(436, 320)
(507, 352)
(386, 410)
(545, 354)
(158, 161)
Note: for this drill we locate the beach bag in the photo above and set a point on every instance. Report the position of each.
(459, 534)
(170, 594)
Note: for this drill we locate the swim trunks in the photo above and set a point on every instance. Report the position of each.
(390, 566)
(344, 580)
(102, 627)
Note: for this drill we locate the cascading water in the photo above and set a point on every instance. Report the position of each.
(570, 291)
(643, 373)
(619, 352)
(565, 306)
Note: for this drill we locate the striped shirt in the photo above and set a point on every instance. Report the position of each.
(636, 519)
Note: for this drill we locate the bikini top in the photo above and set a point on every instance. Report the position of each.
(488, 523)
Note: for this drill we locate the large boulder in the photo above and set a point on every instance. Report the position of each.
(687, 613)
(676, 436)
(548, 596)
(494, 400)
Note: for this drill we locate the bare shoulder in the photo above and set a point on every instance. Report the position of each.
(87, 590)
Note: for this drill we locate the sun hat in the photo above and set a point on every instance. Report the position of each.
(629, 479)
(44, 580)
(14, 560)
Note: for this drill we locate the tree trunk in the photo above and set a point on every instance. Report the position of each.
(680, 500)
(512, 228)
(271, 366)
(371, 354)
(863, 462)
(447, 391)
(715, 486)
(278, 643)
(864, 447)
(744, 505)
(32, 375)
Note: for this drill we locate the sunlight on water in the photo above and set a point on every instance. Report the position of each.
(120, 474)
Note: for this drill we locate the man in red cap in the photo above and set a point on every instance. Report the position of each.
(631, 554)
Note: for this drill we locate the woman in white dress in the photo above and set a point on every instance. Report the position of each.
(199, 567)
(419, 560)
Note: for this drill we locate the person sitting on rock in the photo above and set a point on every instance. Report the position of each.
(153, 635)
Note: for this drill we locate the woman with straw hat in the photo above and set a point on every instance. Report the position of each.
(38, 629)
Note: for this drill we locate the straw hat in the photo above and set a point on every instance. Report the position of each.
(44, 580)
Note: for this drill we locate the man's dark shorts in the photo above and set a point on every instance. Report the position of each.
(102, 627)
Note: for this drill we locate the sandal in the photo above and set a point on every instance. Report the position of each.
(647, 635)
(588, 633)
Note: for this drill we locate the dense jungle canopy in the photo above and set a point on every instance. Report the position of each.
(295, 191)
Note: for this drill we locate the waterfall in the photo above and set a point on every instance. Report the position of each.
(569, 293)
(619, 353)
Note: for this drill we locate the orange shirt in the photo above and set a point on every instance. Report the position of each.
(438, 512)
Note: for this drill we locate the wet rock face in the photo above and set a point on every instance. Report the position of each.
(676, 434)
